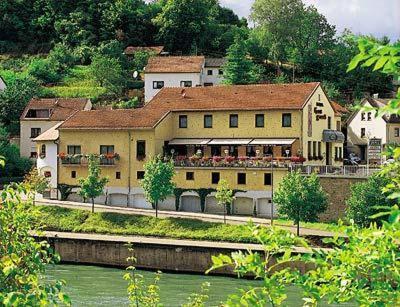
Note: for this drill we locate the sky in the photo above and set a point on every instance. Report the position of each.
(376, 17)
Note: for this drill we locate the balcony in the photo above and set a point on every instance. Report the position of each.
(79, 160)
(237, 162)
(72, 160)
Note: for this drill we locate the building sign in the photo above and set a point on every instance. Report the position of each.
(309, 130)
(375, 149)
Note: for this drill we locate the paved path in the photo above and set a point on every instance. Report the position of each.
(180, 214)
(161, 241)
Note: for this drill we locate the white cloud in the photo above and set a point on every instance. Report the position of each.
(377, 17)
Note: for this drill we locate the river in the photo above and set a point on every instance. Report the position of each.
(99, 286)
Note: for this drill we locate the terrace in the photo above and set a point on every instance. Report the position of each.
(80, 159)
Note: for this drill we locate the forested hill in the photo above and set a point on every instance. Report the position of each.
(182, 26)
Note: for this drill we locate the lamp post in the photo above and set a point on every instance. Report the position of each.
(272, 187)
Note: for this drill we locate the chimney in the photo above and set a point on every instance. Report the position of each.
(375, 96)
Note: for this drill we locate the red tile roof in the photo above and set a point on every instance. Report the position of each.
(339, 110)
(132, 49)
(237, 97)
(175, 64)
(60, 108)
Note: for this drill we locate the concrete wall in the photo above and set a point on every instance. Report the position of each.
(215, 78)
(170, 80)
(391, 136)
(338, 190)
(2, 85)
(49, 162)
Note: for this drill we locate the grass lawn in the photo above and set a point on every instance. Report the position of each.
(78, 220)
(317, 226)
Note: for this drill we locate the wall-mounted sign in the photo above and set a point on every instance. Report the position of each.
(309, 121)
(375, 149)
(321, 117)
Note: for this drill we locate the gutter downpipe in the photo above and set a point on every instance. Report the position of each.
(129, 169)
(57, 142)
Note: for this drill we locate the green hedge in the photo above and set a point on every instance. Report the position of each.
(8, 180)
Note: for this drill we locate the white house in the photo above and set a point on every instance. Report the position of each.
(363, 125)
(3, 84)
(180, 71)
(46, 162)
(41, 114)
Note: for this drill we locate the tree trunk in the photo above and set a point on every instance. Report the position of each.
(92, 205)
(156, 209)
(225, 214)
(298, 228)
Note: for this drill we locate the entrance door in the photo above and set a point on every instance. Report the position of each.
(328, 154)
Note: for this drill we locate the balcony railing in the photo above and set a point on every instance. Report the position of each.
(72, 160)
(229, 161)
(330, 170)
(84, 161)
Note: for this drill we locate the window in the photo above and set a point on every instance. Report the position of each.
(108, 152)
(186, 83)
(250, 151)
(32, 113)
(117, 175)
(140, 175)
(220, 72)
(73, 174)
(140, 150)
(207, 121)
(267, 179)
(314, 149)
(233, 150)
(33, 154)
(233, 120)
(241, 178)
(286, 120)
(47, 174)
(158, 85)
(309, 150)
(329, 122)
(319, 149)
(189, 175)
(397, 132)
(338, 126)
(35, 132)
(216, 150)
(286, 151)
(73, 150)
(268, 150)
(183, 121)
(362, 116)
(210, 72)
(214, 178)
(259, 120)
(43, 151)
(363, 132)
(369, 116)
(208, 84)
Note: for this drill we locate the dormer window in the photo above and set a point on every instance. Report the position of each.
(38, 113)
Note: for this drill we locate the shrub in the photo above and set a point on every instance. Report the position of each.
(364, 197)
(62, 57)
(44, 70)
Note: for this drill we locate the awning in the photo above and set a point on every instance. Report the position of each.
(272, 142)
(189, 142)
(230, 142)
(332, 136)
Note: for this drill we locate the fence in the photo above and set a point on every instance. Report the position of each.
(330, 170)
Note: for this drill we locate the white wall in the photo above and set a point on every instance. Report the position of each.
(2, 84)
(170, 80)
(374, 128)
(215, 78)
(49, 163)
(26, 143)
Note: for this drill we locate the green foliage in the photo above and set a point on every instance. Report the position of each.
(15, 97)
(35, 183)
(277, 247)
(15, 165)
(93, 185)
(65, 190)
(63, 58)
(44, 70)
(224, 195)
(140, 60)
(22, 259)
(126, 104)
(300, 198)
(108, 73)
(239, 69)
(365, 199)
(157, 182)
(198, 299)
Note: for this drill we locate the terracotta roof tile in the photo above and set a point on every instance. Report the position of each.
(339, 110)
(238, 97)
(175, 64)
(61, 108)
(132, 49)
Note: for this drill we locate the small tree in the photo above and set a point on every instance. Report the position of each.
(239, 69)
(35, 182)
(364, 199)
(224, 195)
(157, 182)
(300, 198)
(93, 185)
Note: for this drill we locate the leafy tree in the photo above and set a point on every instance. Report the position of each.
(140, 60)
(35, 183)
(300, 198)
(108, 73)
(93, 185)
(62, 57)
(44, 70)
(23, 259)
(239, 69)
(14, 99)
(157, 182)
(224, 195)
(129, 104)
(366, 198)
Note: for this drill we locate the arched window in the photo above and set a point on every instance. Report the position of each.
(43, 151)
